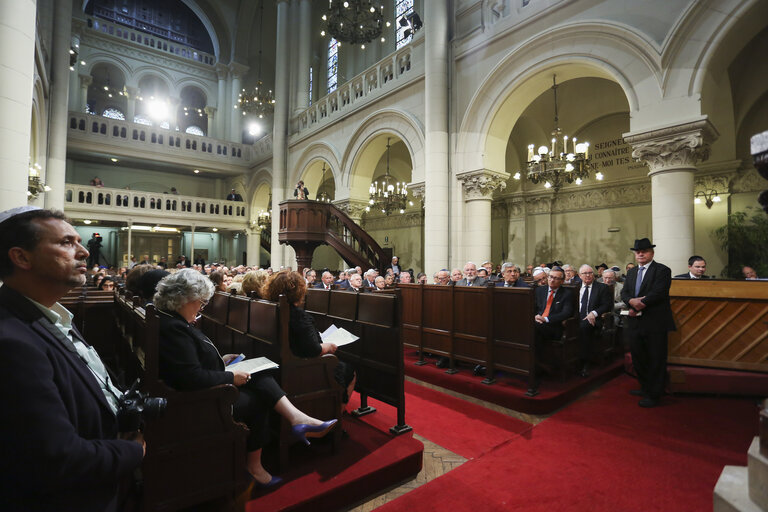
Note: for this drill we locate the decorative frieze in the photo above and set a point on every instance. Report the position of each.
(409, 219)
(355, 208)
(480, 184)
(673, 147)
(417, 190)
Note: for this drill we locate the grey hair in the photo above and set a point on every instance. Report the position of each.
(587, 266)
(183, 287)
(609, 270)
(566, 267)
(507, 265)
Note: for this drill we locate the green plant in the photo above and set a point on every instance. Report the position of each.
(745, 238)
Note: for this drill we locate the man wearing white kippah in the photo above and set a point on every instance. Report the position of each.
(58, 429)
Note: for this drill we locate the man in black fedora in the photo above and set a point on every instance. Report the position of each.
(646, 293)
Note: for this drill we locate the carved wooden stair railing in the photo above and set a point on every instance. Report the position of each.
(304, 225)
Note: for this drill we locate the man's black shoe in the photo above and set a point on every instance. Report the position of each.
(442, 362)
(479, 370)
(648, 402)
(637, 392)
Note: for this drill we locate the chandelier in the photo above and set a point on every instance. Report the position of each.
(35, 184)
(259, 102)
(386, 193)
(354, 21)
(323, 195)
(565, 161)
(264, 221)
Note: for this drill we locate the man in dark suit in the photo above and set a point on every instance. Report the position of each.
(510, 274)
(553, 305)
(356, 284)
(646, 292)
(470, 276)
(326, 281)
(58, 429)
(594, 300)
(697, 267)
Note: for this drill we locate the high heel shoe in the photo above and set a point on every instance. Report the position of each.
(302, 431)
(274, 482)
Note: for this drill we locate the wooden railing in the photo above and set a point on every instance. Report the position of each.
(304, 225)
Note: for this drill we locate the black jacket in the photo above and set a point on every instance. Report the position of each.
(188, 359)
(657, 315)
(562, 303)
(57, 432)
(520, 283)
(303, 334)
(600, 300)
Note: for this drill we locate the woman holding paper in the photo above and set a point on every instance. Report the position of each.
(304, 336)
(189, 361)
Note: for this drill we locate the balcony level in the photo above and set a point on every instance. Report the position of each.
(139, 207)
(89, 134)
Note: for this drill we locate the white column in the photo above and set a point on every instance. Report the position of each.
(222, 105)
(85, 83)
(436, 224)
(17, 37)
(253, 247)
(131, 95)
(478, 194)
(236, 72)
(211, 113)
(74, 83)
(305, 47)
(173, 113)
(280, 133)
(192, 245)
(130, 241)
(672, 154)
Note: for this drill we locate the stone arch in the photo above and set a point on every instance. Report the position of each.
(601, 50)
(153, 72)
(195, 83)
(259, 189)
(96, 59)
(38, 122)
(400, 124)
(317, 152)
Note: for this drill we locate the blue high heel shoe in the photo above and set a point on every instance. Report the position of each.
(302, 431)
(274, 482)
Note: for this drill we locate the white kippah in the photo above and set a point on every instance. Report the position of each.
(537, 271)
(7, 214)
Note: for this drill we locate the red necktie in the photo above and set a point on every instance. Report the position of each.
(549, 303)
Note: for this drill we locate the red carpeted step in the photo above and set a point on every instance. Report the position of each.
(367, 462)
(509, 391)
(603, 453)
(457, 425)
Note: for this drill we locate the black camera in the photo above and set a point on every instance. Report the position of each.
(134, 407)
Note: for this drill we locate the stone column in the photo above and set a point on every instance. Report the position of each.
(74, 85)
(211, 113)
(17, 28)
(253, 245)
(131, 95)
(85, 83)
(478, 193)
(436, 223)
(672, 154)
(173, 113)
(192, 245)
(222, 105)
(130, 239)
(55, 171)
(280, 129)
(305, 47)
(236, 72)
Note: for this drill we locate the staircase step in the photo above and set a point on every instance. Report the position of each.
(731, 494)
(758, 475)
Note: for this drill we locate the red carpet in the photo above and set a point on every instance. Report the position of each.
(603, 453)
(509, 391)
(367, 462)
(457, 425)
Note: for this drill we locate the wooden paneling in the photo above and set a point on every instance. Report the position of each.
(720, 324)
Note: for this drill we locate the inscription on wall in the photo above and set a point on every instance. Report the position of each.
(615, 155)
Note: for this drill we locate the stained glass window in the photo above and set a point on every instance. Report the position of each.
(142, 119)
(195, 130)
(333, 65)
(402, 7)
(113, 113)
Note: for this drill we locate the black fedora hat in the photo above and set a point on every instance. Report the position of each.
(603, 265)
(642, 245)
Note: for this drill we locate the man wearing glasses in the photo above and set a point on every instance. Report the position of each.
(594, 300)
(553, 305)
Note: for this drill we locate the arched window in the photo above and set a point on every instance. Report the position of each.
(142, 119)
(195, 130)
(113, 113)
(165, 124)
(402, 7)
(333, 65)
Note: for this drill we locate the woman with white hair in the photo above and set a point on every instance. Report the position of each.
(189, 361)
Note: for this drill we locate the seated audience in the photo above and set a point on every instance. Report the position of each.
(594, 300)
(370, 279)
(470, 276)
(304, 336)
(395, 265)
(380, 283)
(697, 267)
(389, 280)
(510, 274)
(609, 279)
(356, 284)
(252, 283)
(219, 283)
(599, 272)
(540, 276)
(529, 271)
(749, 273)
(570, 275)
(108, 283)
(443, 277)
(189, 361)
(421, 277)
(553, 305)
(490, 275)
(456, 276)
(326, 281)
(405, 278)
(133, 279)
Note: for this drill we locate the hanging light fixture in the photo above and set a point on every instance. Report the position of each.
(260, 101)
(565, 161)
(35, 184)
(353, 21)
(322, 195)
(710, 197)
(386, 193)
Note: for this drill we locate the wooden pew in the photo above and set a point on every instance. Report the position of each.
(258, 328)
(195, 451)
(94, 316)
(378, 355)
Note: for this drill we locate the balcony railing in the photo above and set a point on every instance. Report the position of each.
(157, 42)
(97, 200)
(133, 136)
(387, 75)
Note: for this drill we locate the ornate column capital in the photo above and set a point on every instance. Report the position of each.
(355, 208)
(221, 70)
(417, 190)
(210, 111)
(237, 69)
(86, 80)
(481, 183)
(673, 147)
